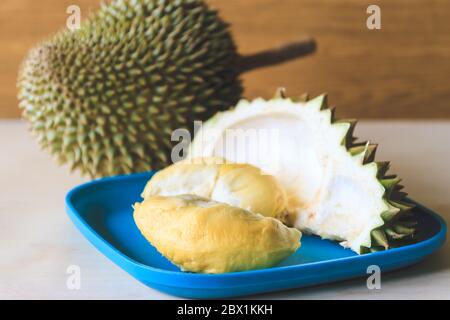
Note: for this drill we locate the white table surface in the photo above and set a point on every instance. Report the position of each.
(38, 242)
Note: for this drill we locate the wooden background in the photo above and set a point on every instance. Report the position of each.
(400, 71)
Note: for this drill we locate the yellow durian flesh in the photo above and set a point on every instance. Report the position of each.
(240, 185)
(201, 235)
(184, 177)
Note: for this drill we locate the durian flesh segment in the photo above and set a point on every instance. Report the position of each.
(333, 193)
(240, 185)
(201, 235)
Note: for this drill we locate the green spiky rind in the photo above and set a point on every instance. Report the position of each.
(106, 98)
(399, 226)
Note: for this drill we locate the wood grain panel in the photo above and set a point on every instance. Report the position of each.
(24, 23)
(400, 71)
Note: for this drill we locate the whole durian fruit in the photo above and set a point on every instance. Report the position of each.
(106, 98)
(237, 184)
(334, 187)
(201, 235)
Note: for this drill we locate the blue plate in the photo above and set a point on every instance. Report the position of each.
(102, 211)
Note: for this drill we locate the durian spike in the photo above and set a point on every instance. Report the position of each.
(379, 238)
(280, 93)
(303, 98)
(296, 49)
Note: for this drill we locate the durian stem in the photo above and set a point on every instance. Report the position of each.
(278, 55)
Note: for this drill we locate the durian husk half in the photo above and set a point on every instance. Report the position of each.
(394, 226)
